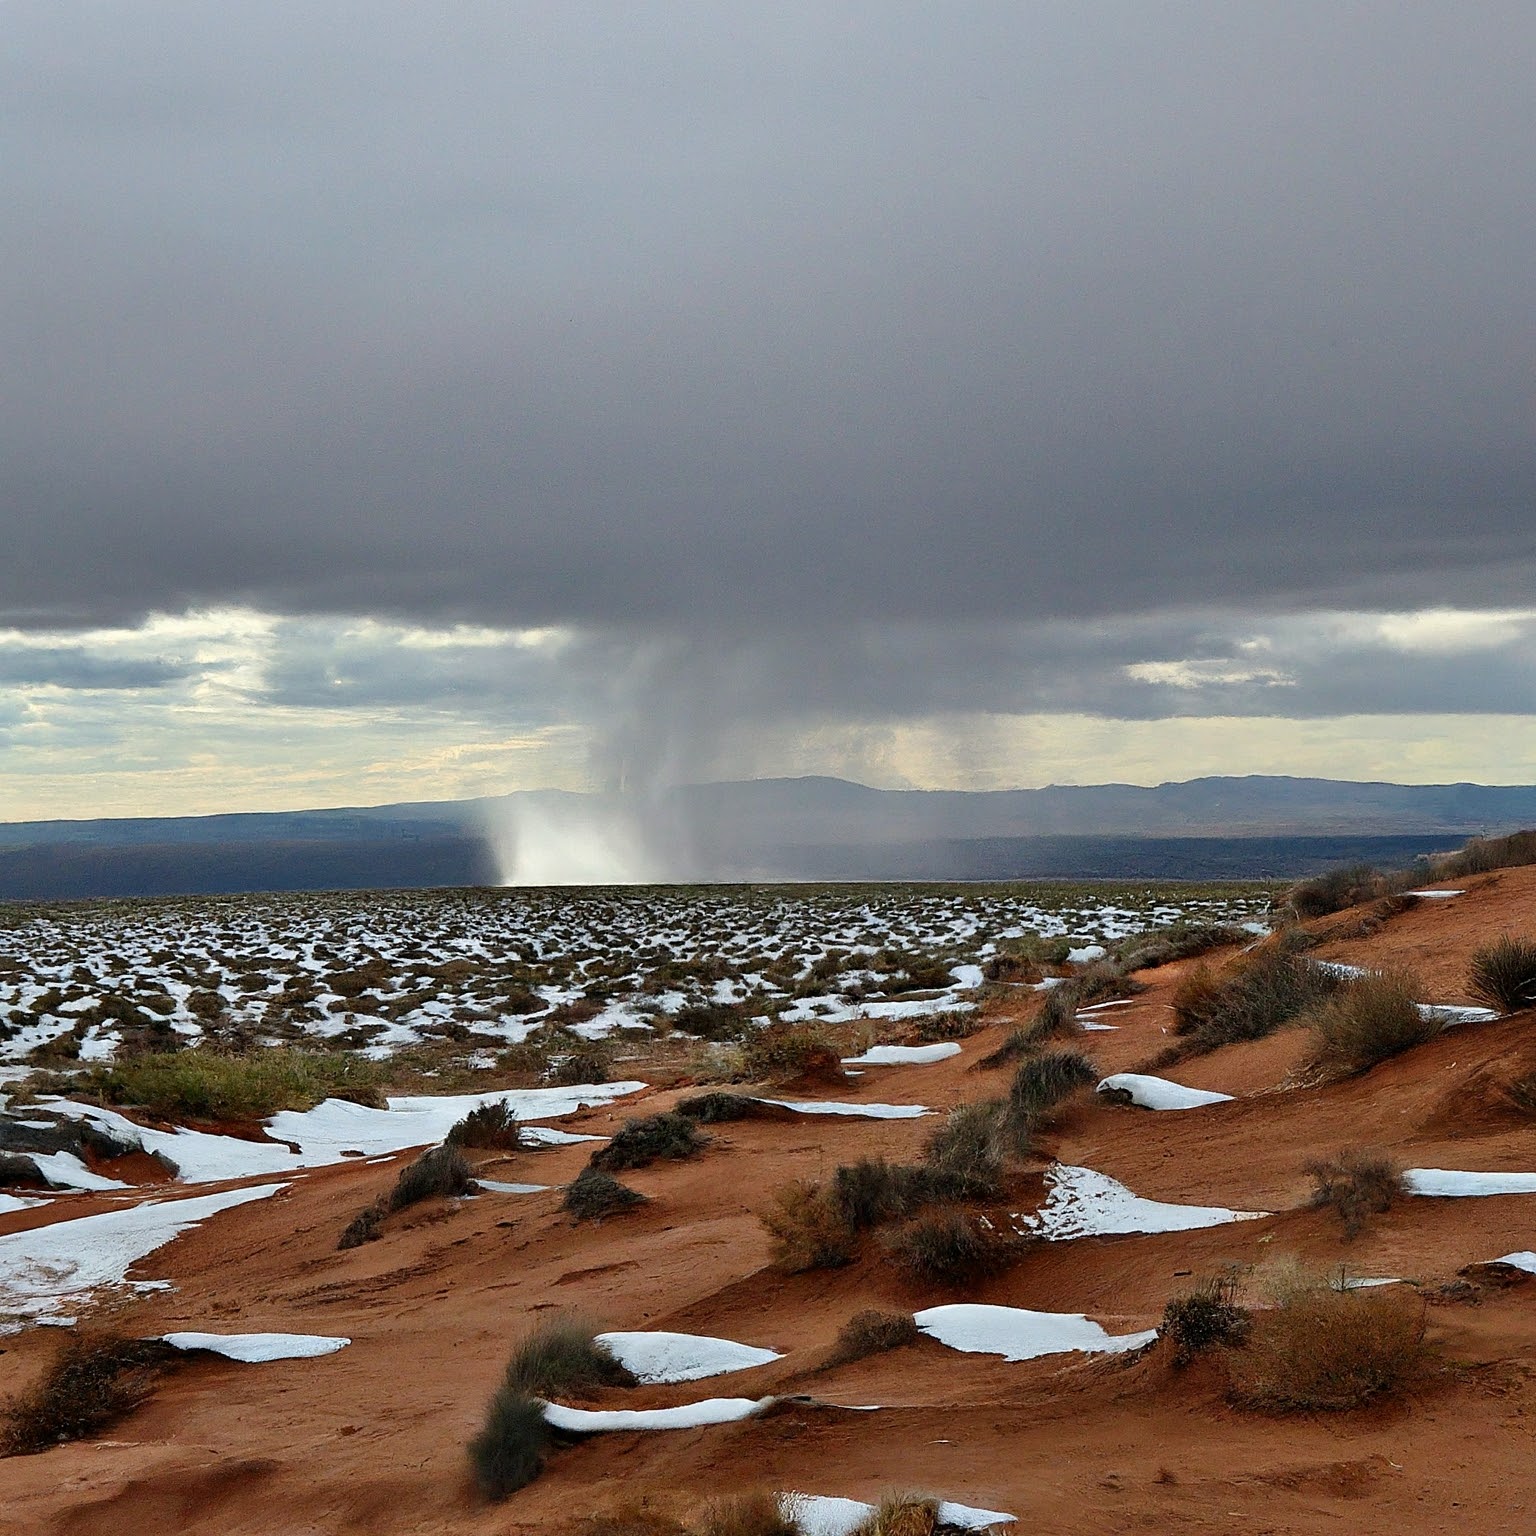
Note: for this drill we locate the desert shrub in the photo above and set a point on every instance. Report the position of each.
(873, 1191)
(757, 1513)
(1332, 892)
(562, 1357)
(1482, 854)
(592, 1194)
(93, 1381)
(1179, 941)
(631, 1516)
(1322, 1348)
(967, 1149)
(1368, 1020)
(713, 1021)
(1356, 1183)
(440, 1173)
(872, 1332)
(807, 1228)
(719, 1107)
(1252, 999)
(491, 1127)
(512, 1446)
(784, 1052)
(1503, 974)
(366, 1227)
(1100, 981)
(1203, 1319)
(205, 1085)
(1044, 1081)
(949, 1025)
(644, 1141)
(585, 1062)
(900, 1514)
(1055, 1020)
(951, 1247)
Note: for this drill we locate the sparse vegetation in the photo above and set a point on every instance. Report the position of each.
(756, 1513)
(640, 1142)
(1204, 1318)
(592, 1194)
(967, 1150)
(871, 1332)
(790, 1053)
(1368, 1020)
(901, 1514)
(718, 1108)
(1482, 855)
(1355, 1184)
(1178, 941)
(1503, 974)
(562, 1357)
(951, 1247)
(366, 1227)
(1325, 894)
(1322, 1348)
(872, 1191)
(1042, 1083)
(94, 1380)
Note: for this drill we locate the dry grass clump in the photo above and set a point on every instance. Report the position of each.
(93, 1381)
(1263, 992)
(968, 1149)
(756, 1513)
(643, 1141)
(1044, 1082)
(791, 1052)
(807, 1229)
(1503, 974)
(1368, 1020)
(491, 1127)
(1178, 941)
(1355, 1184)
(871, 1332)
(513, 1444)
(1328, 1349)
(900, 1514)
(562, 1357)
(951, 1247)
(872, 1191)
(366, 1227)
(593, 1194)
(586, 1061)
(1520, 1093)
(1205, 1318)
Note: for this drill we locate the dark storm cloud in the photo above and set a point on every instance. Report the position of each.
(74, 666)
(669, 315)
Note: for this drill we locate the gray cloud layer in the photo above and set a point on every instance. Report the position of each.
(674, 317)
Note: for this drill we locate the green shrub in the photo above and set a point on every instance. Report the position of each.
(93, 1381)
(871, 1332)
(205, 1085)
(592, 1194)
(1503, 974)
(1322, 1348)
(1368, 1020)
(951, 1247)
(562, 1357)
(1202, 1319)
(1355, 1184)
(439, 1173)
(491, 1127)
(807, 1229)
(643, 1141)
(512, 1446)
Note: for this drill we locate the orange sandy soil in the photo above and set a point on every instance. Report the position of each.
(372, 1439)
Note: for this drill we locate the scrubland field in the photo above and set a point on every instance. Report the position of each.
(731, 1211)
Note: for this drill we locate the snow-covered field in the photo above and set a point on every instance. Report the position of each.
(379, 971)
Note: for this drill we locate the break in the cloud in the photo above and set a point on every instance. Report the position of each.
(544, 392)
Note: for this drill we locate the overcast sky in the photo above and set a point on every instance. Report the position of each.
(407, 401)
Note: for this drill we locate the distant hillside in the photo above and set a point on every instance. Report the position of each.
(785, 829)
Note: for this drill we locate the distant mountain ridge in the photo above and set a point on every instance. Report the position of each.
(802, 828)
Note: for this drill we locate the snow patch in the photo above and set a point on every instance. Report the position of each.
(903, 1055)
(1018, 1334)
(1083, 1203)
(1159, 1092)
(256, 1348)
(712, 1410)
(1450, 1183)
(657, 1357)
(864, 1111)
(821, 1514)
